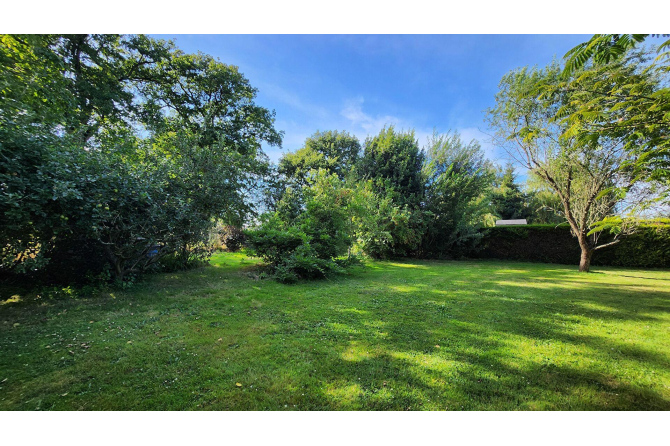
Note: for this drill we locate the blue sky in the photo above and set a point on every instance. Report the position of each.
(359, 83)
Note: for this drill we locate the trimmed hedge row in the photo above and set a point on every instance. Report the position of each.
(649, 247)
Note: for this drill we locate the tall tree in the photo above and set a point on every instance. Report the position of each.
(458, 177)
(392, 161)
(80, 83)
(214, 100)
(582, 174)
(624, 94)
(124, 142)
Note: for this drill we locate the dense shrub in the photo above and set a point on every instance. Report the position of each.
(273, 243)
(305, 245)
(289, 252)
(75, 261)
(386, 229)
(648, 247)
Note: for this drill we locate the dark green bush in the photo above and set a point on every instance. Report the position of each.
(272, 244)
(305, 246)
(648, 247)
(289, 254)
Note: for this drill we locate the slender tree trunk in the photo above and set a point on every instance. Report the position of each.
(587, 253)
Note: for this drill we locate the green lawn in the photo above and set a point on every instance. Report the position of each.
(417, 335)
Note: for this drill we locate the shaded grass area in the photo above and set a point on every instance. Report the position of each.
(423, 335)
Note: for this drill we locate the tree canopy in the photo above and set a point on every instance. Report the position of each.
(336, 152)
(124, 145)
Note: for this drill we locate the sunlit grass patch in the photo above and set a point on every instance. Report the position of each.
(15, 298)
(391, 336)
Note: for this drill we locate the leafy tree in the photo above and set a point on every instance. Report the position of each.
(30, 206)
(208, 98)
(622, 95)
(77, 83)
(393, 162)
(458, 180)
(336, 152)
(384, 227)
(582, 174)
(603, 49)
(507, 199)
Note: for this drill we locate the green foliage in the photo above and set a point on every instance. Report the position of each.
(612, 224)
(544, 203)
(603, 49)
(459, 178)
(31, 214)
(585, 173)
(122, 146)
(278, 246)
(547, 243)
(336, 152)
(305, 245)
(232, 238)
(209, 99)
(386, 229)
(392, 161)
(508, 201)
(622, 95)
(647, 247)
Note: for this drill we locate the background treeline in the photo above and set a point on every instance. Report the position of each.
(122, 154)
(391, 198)
(592, 134)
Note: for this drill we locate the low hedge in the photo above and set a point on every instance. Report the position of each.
(648, 247)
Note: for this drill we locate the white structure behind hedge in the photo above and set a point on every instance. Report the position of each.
(511, 222)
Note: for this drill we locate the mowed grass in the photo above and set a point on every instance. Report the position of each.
(416, 335)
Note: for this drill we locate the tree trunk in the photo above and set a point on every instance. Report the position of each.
(585, 260)
(116, 262)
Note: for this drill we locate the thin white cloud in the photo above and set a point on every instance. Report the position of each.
(363, 124)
